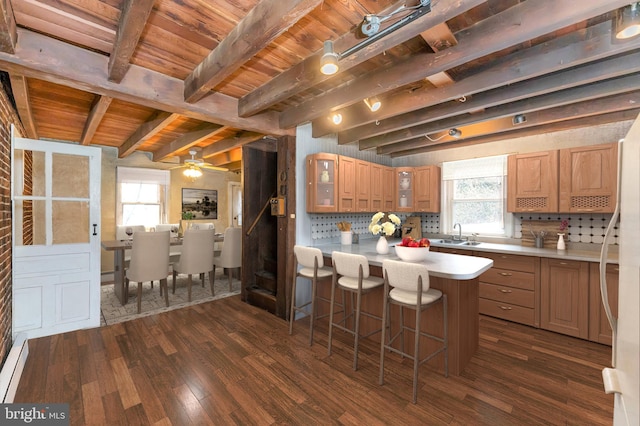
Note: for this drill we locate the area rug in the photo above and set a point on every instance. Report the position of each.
(113, 312)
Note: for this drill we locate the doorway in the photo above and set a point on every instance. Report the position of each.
(235, 204)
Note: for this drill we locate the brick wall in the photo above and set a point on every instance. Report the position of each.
(8, 116)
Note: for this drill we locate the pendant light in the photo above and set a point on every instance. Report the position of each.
(626, 23)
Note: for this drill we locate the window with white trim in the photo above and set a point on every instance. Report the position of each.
(142, 196)
(474, 195)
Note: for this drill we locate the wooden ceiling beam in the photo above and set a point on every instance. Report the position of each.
(439, 38)
(222, 159)
(8, 34)
(556, 55)
(596, 120)
(158, 121)
(45, 58)
(591, 81)
(263, 24)
(518, 24)
(306, 73)
(133, 19)
(228, 144)
(20, 89)
(203, 132)
(615, 103)
(96, 114)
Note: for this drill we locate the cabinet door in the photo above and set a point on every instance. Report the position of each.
(588, 178)
(376, 188)
(389, 189)
(599, 328)
(363, 185)
(427, 189)
(532, 182)
(346, 184)
(564, 297)
(404, 189)
(322, 176)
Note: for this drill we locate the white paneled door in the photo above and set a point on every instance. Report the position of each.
(56, 237)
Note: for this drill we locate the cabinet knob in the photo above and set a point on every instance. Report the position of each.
(563, 263)
(504, 257)
(506, 274)
(504, 291)
(505, 308)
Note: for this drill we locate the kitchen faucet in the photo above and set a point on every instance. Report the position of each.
(459, 238)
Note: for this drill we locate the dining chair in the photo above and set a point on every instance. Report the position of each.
(174, 251)
(231, 254)
(351, 274)
(406, 285)
(149, 261)
(196, 257)
(311, 260)
(205, 225)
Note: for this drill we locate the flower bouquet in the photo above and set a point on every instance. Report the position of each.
(387, 227)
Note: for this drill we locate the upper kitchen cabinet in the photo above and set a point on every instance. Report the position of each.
(427, 189)
(404, 179)
(363, 185)
(382, 188)
(588, 179)
(347, 184)
(532, 182)
(322, 178)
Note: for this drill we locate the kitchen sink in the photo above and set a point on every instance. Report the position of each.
(471, 243)
(458, 242)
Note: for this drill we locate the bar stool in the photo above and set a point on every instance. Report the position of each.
(410, 282)
(354, 278)
(313, 268)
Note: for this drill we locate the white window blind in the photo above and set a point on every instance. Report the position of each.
(475, 168)
(137, 175)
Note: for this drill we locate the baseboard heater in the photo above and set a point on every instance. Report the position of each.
(12, 369)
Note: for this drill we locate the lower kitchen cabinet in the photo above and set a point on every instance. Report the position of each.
(564, 297)
(599, 328)
(508, 290)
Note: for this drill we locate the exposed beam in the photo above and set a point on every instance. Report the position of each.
(263, 24)
(439, 38)
(96, 114)
(225, 158)
(133, 18)
(518, 24)
(307, 73)
(203, 132)
(45, 58)
(225, 145)
(546, 92)
(620, 102)
(8, 34)
(20, 90)
(158, 121)
(565, 52)
(596, 120)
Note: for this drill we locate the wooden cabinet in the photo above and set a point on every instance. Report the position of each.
(322, 193)
(564, 297)
(382, 188)
(389, 190)
(599, 328)
(508, 290)
(404, 179)
(346, 184)
(532, 182)
(363, 185)
(588, 178)
(427, 189)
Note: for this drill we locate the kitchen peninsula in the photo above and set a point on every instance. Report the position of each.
(454, 275)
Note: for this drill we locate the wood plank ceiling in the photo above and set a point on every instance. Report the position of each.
(163, 76)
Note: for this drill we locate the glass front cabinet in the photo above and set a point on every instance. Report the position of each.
(322, 194)
(405, 180)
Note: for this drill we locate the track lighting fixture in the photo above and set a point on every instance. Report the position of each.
(626, 22)
(519, 119)
(454, 133)
(373, 104)
(336, 118)
(370, 25)
(329, 60)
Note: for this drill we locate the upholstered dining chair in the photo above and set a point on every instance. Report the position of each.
(196, 257)
(230, 255)
(351, 274)
(149, 261)
(407, 285)
(174, 251)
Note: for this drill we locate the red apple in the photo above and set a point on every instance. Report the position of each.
(414, 243)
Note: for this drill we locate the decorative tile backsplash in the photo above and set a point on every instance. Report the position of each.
(583, 228)
(323, 226)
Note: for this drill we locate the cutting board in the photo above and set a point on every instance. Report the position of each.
(551, 227)
(412, 227)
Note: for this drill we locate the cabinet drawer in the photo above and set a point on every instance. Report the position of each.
(507, 311)
(509, 295)
(511, 261)
(524, 280)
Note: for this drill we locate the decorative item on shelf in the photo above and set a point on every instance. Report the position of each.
(385, 228)
(563, 225)
(324, 176)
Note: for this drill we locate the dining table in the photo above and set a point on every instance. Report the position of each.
(118, 247)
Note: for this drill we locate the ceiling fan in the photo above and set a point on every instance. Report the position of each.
(192, 166)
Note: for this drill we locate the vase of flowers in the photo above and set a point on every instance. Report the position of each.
(383, 225)
(563, 226)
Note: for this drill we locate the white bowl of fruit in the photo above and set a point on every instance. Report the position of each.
(412, 250)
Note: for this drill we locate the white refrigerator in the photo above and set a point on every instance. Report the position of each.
(623, 378)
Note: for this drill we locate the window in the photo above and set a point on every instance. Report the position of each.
(475, 196)
(142, 196)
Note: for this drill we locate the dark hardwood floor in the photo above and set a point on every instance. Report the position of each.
(225, 362)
